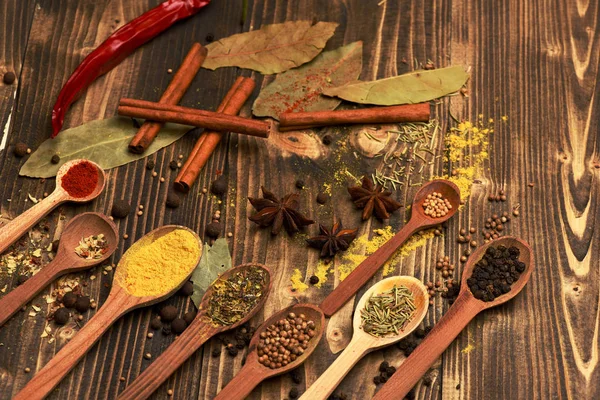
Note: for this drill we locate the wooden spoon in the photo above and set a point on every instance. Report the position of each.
(118, 303)
(362, 342)
(66, 260)
(464, 309)
(199, 331)
(418, 221)
(254, 372)
(21, 224)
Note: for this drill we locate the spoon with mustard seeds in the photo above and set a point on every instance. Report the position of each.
(464, 309)
(363, 342)
(128, 292)
(418, 221)
(13, 230)
(254, 372)
(198, 332)
(66, 260)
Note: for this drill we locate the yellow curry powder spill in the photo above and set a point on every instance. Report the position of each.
(156, 267)
(297, 281)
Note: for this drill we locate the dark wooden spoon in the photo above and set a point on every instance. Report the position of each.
(464, 309)
(254, 372)
(418, 221)
(66, 260)
(199, 331)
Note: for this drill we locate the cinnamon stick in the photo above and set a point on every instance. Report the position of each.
(374, 115)
(191, 116)
(208, 141)
(173, 93)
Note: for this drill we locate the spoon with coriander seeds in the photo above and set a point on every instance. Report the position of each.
(87, 240)
(78, 181)
(388, 312)
(435, 202)
(235, 297)
(264, 359)
(494, 274)
(141, 279)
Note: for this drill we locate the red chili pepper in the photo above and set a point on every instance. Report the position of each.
(117, 47)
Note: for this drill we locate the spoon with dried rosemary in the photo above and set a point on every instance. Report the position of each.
(388, 312)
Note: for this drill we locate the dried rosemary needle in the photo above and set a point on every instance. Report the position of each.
(388, 312)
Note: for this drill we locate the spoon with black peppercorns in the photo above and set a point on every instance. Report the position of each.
(280, 344)
(495, 273)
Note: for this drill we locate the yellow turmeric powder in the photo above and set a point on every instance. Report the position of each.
(153, 267)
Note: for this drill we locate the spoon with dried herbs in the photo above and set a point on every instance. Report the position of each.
(77, 181)
(436, 202)
(495, 273)
(235, 297)
(141, 279)
(280, 344)
(388, 312)
(68, 258)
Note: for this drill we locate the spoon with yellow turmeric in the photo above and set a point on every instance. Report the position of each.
(151, 270)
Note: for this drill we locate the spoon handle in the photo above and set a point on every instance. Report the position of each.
(21, 224)
(243, 383)
(435, 343)
(59, 366)
(13, 301)
(322, 388)
(353, 282)
(164, 366)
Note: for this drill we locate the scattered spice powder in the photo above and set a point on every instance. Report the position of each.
(81, 179)
(297, 282)
(92, 247)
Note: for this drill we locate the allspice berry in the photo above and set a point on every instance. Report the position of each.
(20, 150)
(156, 323)
(55, 159)
(219, 186)
(187, 289)
(69, 299)
(213, 230)
(120, 209)
(314, 280)
(168, 313)
(173, 199)
(178, 326)
(83, 304)
(9, 78)
(322, 198)
(61, 316)
(189, 316)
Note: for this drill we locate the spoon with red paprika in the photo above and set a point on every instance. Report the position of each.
(78, 181)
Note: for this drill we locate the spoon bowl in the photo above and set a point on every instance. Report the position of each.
(449, 192)
(97, 190)
(254, 372)
(362, 342)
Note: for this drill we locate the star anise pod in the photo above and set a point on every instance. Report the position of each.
(332, 241)
(278, 213)
(371, 198)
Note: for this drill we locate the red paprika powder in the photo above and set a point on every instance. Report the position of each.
(81, 179)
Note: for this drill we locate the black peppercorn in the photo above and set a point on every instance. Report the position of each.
(155, 323)
(189, 316)
(293, 394)
(120, 209)
(219, 186)
(20, 150)
(327, 139)
(173, 165)
(9, 77)
(22, 279)
(296, 376)
(232, 351)
(427, 380)
(213, 230)
(300, 184)
(216, 352)
(314, 280)
(168, 313)
(383, 366)
(61, 316)
(390, 370)
(209, 38)
(178, 326)
(150, 165)
(187, 289)
(420, 333)
(322, 198)
(173, 199)
(166, 330)
(69, 299)
(82, 304)
(55, 159)
(377, 380)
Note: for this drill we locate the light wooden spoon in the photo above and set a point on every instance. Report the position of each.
(418, 221)
(195, 335)
(464, 309)
(21, 224)
(118, 303)
(66, 260)
(362, 342)
(254, 372)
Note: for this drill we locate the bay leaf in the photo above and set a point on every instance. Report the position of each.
(271, 49)
(300, 89)
(214, 261)
(414, 87)
(102, 141)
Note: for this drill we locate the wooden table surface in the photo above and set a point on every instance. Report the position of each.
(535, 61)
